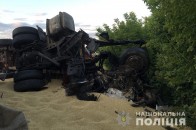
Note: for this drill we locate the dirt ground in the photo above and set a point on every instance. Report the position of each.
(50, 109)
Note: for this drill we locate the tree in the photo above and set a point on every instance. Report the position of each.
(171, 31)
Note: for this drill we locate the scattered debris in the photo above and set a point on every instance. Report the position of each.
(2, 95)
(115, 93)
(116, 112)
(147, 110)
(162, 108)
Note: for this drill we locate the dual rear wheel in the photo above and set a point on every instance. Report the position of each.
(24, 36)
(26, 80)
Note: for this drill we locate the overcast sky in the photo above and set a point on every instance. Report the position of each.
(87, 14)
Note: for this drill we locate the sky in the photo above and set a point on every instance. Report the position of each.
(88, 14)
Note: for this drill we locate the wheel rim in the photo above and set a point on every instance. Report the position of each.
(136, 62)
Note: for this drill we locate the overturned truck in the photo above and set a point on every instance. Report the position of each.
(37, 55)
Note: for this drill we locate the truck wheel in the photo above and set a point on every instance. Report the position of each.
(28, 74)
(24, 35)
(136, 58)
(5, 42)
(24, 39)
(29, 85)
(24, 30)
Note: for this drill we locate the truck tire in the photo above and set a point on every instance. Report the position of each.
(24, 39)
(5, 42)
(136, 58)
(28, 74)
(24, 30)
(29, 85)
